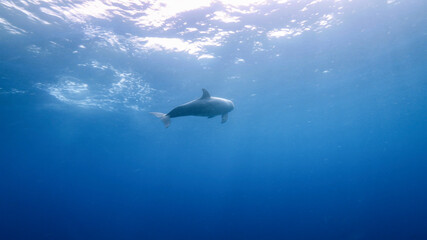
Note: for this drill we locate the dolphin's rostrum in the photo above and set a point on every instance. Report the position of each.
(206, 106)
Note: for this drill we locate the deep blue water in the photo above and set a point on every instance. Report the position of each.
(328, 139)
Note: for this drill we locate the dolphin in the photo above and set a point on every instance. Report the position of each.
(206, 106)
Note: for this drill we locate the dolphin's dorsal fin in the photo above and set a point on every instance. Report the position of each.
(205, 94)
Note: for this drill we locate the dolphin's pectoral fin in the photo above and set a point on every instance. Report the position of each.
(205, 94)
(224, 118)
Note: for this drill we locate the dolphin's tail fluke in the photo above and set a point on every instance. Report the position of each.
(164, 117)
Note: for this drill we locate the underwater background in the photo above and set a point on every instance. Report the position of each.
(328, 138)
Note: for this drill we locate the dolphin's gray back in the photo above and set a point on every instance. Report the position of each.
(184, 110)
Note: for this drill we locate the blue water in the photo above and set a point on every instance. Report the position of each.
(328, 139)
